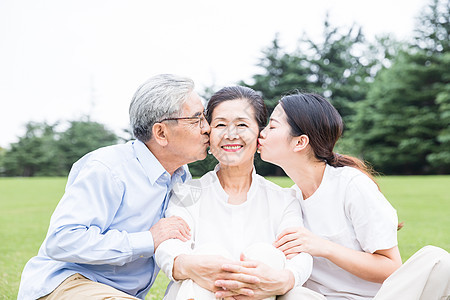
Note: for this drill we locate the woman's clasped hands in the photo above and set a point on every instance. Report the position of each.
(250, 279)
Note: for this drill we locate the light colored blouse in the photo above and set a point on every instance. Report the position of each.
(203, 204)
(347, 209)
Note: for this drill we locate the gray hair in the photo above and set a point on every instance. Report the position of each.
(160, 97)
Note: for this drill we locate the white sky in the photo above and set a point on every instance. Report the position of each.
(61, 59)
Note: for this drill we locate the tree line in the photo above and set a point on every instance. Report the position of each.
(47, 150)
(394, 97)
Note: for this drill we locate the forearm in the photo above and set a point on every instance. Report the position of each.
(374, 267)
(87, 245)
(204, 270)
(167, 257)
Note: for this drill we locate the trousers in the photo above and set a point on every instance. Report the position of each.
(425, 276)
(78, 287)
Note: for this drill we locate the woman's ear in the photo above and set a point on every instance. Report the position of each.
(301, 142)
(160, 134)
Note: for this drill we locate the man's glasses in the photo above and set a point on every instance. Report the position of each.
(200, 119)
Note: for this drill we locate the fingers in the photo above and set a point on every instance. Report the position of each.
(183, 223)
(240, 267)
(175, 229)
(289, 256)
(283, 236)
(286, 247)
(285, 239)
(293, 251)
(245, 279)
(238, 279)
(230, 293)
(179, 224)
(170, 228)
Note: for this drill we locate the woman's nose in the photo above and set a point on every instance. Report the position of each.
(231, 132)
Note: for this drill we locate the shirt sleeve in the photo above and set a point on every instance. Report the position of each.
(182, 205)
(79, 228)
(373, 217)
(301, 264)
(292, 214)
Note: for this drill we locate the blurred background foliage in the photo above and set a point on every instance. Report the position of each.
(394, 98)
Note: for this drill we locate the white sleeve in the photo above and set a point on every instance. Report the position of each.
(180, 205)
(301, 264)
(373, 217)
(292, 214)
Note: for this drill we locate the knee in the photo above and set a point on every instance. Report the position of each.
(436, 253)
(439, 257)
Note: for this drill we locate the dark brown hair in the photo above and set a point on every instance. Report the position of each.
(235, 93)
(314, 116)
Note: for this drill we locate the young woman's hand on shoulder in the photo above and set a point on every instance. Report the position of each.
(293, 241)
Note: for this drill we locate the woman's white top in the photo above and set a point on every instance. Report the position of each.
(203, 204)
(347, 209)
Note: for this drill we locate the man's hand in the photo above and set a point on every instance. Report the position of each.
(170, 228)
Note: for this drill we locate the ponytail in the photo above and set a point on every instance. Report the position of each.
(338, 160)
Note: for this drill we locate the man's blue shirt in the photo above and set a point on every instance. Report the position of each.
(100, 228)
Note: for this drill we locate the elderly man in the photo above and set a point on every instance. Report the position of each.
(107, 226)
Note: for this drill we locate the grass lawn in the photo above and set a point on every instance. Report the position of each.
(26, 204)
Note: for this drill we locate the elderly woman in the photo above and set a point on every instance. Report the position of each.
(234, 215)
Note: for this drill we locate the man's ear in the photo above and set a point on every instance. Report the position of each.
(301, 142)
(159, 133)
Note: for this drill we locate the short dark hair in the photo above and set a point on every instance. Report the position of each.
(239, 92)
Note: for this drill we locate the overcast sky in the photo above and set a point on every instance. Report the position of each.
(60, 60)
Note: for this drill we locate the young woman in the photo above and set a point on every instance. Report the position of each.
(350, 228)
(231, 211)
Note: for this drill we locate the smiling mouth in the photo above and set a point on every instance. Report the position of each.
(232, 148)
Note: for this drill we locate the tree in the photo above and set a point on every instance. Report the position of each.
(82, 137)
(440, 158)
(433, 30)
(34, 154)
(340, 67)
(45, 151)
(402, 126)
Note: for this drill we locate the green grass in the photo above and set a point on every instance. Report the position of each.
(422, 202)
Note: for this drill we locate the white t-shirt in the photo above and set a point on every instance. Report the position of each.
(203, 204)
(347, 209)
